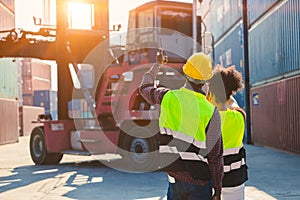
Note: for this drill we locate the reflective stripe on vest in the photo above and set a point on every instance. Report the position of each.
(183, 137)
(183, 155)
(234, 165)
(231, 151)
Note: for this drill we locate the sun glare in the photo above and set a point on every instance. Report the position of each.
(80, 15)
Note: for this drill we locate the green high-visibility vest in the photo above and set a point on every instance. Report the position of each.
(235, 167)
(233, 126)
(187, 112)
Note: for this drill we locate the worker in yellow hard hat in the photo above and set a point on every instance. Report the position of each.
(198, 68)
(190, 144)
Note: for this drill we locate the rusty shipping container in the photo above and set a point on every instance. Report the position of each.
(30, 84)
(275, 114)
(35, 68)
(27, 99)
(9, 123)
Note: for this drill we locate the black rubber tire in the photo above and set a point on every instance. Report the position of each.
(139, 154)
(38, 149)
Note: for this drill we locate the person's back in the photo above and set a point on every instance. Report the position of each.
(190, 137)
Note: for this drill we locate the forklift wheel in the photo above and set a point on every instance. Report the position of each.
(139, 154)
(38, 149)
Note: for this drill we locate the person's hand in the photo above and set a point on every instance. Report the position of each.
(216, 197)
(161, 58)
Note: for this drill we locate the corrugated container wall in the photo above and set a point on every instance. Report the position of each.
(229, 51)
(8, 78)
(7, 15)
(19, 78)
(275, 114)
(274, 43)
(36, 75)
(10, 4)
(258, 8)
(9, 123)
(223, 15)
(36, 68)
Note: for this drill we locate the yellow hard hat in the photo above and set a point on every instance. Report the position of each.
(199, 67)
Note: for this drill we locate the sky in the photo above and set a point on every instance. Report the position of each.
(118, 11)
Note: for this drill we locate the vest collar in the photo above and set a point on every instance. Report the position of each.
(189, 87)
(200, 93)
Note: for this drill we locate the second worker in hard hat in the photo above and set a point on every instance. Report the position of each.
(190, 132)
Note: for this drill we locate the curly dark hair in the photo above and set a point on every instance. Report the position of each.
(225, 82)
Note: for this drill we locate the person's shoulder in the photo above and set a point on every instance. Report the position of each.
(239, 110)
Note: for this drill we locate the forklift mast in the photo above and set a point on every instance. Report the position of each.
(62, 44)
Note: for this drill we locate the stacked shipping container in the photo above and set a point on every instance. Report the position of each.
(9, 123)
(78, 108)
(46, 99)
(7, 14)
(224, 19)
(274, 42)
(229, 51)
(274, 45)
(36, 75)
(37, 97)
(276, 114)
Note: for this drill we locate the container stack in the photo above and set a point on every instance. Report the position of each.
(226, 25)
(274, 66)
(9, 123)
(48, 100)
(274, 48)
(36, 75)
(78, 108)
(37, 96)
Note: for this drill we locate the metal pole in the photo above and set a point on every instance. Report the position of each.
(247, 79)
(195, 26)
(64, 79)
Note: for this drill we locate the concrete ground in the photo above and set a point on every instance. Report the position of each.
(272, 175)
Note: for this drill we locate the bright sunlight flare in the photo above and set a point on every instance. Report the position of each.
(80, 15)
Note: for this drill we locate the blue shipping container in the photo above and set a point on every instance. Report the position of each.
(46, 99)
(53, 113)
(74, 104)
(229, 51)
(257, 8)
(223, 15)
(274, 43)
